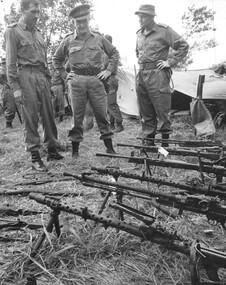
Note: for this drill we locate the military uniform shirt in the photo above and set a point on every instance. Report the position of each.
(23, 48)
(155, 45)
(88, 53)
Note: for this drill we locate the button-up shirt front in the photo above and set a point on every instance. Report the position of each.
(155, 45)
(88, 53)
(23, 47)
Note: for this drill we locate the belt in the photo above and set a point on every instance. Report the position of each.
(148, 65)
(86, 71)
(33, 68)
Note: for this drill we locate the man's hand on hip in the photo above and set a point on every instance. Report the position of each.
(162, 64)
(104, 74)
(18, 96)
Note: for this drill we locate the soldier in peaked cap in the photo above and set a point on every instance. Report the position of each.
(28, 76)
(153, 80)
(85, 50)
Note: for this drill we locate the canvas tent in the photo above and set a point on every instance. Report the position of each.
(184, 84)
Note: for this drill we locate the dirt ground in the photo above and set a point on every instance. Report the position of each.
(86, 253)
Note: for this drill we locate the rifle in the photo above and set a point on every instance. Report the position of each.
(175, 151)
(211, 207)
(187, 143)
(210, 190)
(4, 210)
(43, 191)
(18, 224)
(18, 114)
(210, 259)
(216, 169)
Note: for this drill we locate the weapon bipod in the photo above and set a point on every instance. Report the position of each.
(53, 222)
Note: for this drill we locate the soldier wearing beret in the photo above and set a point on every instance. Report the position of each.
(26, 63)
(85, 51)
(153, 80)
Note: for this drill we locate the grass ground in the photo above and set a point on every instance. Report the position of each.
(86, 253)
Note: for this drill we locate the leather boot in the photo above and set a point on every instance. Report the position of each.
(53, 154)
(9, 125)
(119, 128)
(109, 146)
(37, 163)
(75, 148)
(165, 137)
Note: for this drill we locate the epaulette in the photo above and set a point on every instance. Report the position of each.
(67, 35)
(12, 25)
(163, 25)
(97, 32)
(138, 31)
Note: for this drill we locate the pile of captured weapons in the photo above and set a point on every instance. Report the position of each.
(195, 197)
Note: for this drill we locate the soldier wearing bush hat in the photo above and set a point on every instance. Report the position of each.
(153, 80)
(85, 49)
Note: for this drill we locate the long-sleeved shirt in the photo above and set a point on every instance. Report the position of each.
(83, 54)
(155, 45)
(23, 47)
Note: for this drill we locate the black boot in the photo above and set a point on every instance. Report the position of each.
(37, 163)
(75, 147)
(109, 146)
(150, 142)
(9, 125)
(165, 137)
(53, 154)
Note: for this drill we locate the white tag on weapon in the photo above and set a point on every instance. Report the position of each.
(163, 151)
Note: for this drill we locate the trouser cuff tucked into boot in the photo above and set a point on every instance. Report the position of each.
(53, 154)
(75, 148)
(165, 137)
(109, 146)
(37, 163)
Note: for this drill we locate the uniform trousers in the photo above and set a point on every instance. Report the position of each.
(113, 107)
(84, 89)
(154, 98)
(37, 108)
(8, 103)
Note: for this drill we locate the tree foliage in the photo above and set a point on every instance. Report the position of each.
(199, 26)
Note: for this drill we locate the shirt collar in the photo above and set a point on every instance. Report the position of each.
(23, 24)
(154, 29)
(75, 33)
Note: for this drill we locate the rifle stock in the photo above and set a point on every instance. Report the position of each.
(209, 206)
(218, 170)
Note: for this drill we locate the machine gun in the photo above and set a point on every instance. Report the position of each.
(187, 143)
(211, 207)
(215, 169)
(194, 188)
(176, 151)
(200, 257)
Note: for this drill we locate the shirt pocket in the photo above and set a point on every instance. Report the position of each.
(76, 54)
(95, 53)
(26, 49)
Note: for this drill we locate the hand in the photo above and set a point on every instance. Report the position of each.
(162, 64)
(104, 74)
(18, 96)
